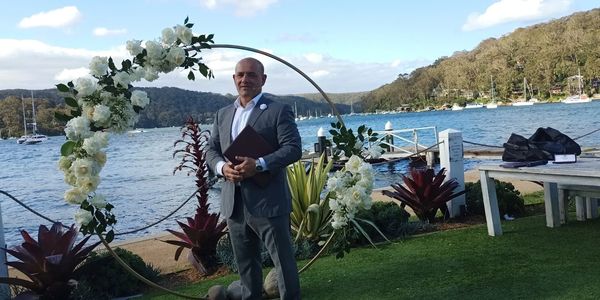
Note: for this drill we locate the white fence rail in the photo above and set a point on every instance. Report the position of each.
(397, 140)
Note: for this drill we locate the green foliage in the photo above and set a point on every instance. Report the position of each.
(347, 143)
(425, 192)
(106, 277)
(533, 53)
(48, 262)
(509, 199)
(389, 217)
(311, 215)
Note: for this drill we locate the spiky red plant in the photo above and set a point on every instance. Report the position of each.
(202, 232)
(50, 261)
(425, 192)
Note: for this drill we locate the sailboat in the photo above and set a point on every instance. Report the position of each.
(524, 101)
(492, 103)
(580, 97)
(34, 137)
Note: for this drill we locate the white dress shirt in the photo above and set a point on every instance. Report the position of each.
(240, 119)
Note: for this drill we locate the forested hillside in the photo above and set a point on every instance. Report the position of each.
(168, 107)
(545, 54)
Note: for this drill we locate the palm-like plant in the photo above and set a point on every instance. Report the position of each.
(50, 261)
(202, 232)
(425, 192)
(310, 215)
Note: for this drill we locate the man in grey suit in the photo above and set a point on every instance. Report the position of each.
(256, 213)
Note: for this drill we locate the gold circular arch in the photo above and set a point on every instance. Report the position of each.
(281, 60)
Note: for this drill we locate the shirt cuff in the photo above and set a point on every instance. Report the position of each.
(263, 164)
(219, 168)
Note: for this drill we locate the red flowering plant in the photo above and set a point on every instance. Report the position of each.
(48, 262)
(202, 232)
(425, 193)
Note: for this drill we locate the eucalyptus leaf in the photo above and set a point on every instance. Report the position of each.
(67, 148)
(62, 88)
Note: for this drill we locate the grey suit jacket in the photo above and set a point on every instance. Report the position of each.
(277, 126)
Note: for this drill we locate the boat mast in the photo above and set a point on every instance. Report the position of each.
(34, 124)
(24, 119)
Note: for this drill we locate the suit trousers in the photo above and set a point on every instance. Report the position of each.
(247, 232)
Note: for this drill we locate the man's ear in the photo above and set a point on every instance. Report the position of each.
(264, 79)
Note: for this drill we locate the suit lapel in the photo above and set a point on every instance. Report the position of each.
(256, 112)
(228, 119)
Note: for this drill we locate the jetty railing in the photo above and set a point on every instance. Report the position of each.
(390, 137)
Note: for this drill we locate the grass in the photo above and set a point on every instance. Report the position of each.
(530, 261)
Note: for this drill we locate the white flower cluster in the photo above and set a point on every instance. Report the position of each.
(375, 151)
(351, 189)
(112, 111)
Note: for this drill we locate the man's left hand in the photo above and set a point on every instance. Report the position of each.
(247, 168)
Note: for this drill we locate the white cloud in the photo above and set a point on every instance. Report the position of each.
(62, 17)
(101, 31)
(314, 57)
(30, 64)
(242, 7)
(505, 11)
(72, 74)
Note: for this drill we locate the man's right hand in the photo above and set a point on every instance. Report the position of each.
(230, 173)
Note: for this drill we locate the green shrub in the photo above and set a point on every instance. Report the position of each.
(509, 199)
(390, 219)
(106, 277)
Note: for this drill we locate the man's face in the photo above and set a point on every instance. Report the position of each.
(249, 79)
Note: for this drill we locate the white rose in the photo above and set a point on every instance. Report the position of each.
(139, 98)
(83, 217)
(134, 47)
(78, 128)
(168, 36)
(98, 201)
(82, 167)
(64, 163)
(176, 56)
(93, 144)
(122, 78)
(100, 158)
(154, 50)
(85, 87)
(101, 114)
(88, 184)
(353, 164)
(75, 196)
(184, 34)
(150, 74)
(99, 66)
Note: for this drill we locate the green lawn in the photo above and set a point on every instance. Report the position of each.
(530, 261)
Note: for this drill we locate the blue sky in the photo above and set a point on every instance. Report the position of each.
(345, 46)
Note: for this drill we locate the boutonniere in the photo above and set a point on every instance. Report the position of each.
(263, 106)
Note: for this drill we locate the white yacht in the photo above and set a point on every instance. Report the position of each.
(34, 137)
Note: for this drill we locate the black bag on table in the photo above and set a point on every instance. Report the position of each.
(542, 145)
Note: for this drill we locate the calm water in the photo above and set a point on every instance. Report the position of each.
(138, 176)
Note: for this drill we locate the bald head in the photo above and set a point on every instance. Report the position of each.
(249, 78)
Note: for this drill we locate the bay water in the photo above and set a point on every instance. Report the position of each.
(138, 177)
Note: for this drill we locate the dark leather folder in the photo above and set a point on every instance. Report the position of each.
(250, 144)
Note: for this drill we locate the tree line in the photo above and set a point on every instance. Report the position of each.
(168, 107)
(547, 55)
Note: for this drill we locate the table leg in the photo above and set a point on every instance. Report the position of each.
(490, 204)
(551, 203)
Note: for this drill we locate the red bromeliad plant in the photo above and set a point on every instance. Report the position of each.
(425, 193)
(202, 232)
(49, 262)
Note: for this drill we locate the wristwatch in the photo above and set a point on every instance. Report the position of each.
(258, 167)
